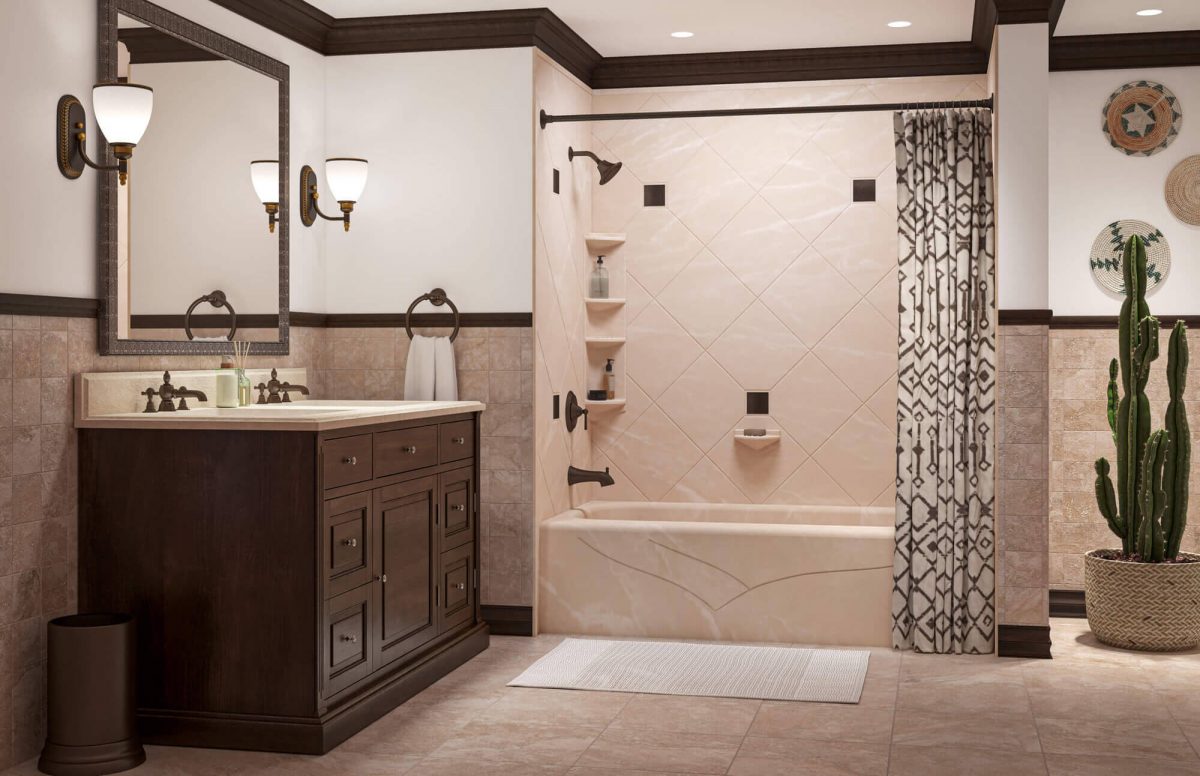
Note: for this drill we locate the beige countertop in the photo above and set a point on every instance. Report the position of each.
(316, 415)
(113, 400)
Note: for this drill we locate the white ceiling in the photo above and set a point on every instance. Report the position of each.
(1107, 17)
(634, 27)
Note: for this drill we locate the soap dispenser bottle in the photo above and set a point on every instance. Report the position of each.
(227, 384)
(599, 285)
(610, 381)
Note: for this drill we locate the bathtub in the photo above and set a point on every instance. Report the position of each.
(797, 574)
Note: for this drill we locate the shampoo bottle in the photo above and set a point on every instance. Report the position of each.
(610, 381)
(599, 284)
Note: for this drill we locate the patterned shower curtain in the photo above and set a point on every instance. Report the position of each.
(944, 577)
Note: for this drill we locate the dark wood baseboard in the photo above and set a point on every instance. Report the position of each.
(1110, 321)
(1025, 317)
(1067, 603)
(48, 306)
(318, 734)
(1028, 641)
(397, 320)
(508, 620)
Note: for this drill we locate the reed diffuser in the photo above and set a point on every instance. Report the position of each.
(241, 354)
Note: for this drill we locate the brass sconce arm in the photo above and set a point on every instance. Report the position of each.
(347, 207)
(122, 165)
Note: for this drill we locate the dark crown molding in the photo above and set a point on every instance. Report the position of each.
(147, 45)
(1028, 11)
(789, 65)
(1116, 52)
(293, 19)
(542, 29)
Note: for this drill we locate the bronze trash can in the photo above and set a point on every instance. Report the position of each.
(91, 727)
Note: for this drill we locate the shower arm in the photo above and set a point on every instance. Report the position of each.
(572, 153)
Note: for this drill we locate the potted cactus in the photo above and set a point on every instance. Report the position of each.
(1145, 595)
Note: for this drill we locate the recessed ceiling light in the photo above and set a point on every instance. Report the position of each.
(1149, 12)
(682, 34)
(899, 23)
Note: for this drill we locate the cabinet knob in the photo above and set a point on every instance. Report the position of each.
(410, 449)
(351, 459)
(349, 637)
(459, 440)
(461, 586)
(350, 542)
(459, 507)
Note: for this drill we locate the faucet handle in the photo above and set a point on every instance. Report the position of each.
(149, 393)
(262, 393)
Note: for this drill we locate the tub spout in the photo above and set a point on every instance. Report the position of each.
(575, 476)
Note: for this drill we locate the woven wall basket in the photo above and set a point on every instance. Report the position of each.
(1183, 190)
(1145, 606)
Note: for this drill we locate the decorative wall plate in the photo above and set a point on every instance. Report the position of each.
(1142, 118)
(1183, 190)
(1109, 245)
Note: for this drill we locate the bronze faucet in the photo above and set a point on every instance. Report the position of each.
(276, 392)
(167, 393)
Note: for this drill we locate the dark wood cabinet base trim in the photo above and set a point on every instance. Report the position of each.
(1067, 603)
(508, 620)
(1029, 641)
(315, 735)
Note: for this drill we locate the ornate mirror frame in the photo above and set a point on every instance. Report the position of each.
(204, 38)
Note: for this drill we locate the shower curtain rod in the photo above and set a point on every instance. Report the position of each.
(547, 118)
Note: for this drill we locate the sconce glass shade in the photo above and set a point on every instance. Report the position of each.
(346, 177)
(264, 174)
(122, 111)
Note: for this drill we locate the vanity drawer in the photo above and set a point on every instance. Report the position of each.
(345, 540)
(458, 507)
(347, 654)
(405, 450)
(458, 440)
(346, 460)
(457, 583)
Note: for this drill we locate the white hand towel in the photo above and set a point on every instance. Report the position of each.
(419, 372)
(430, 374)
(445, 384)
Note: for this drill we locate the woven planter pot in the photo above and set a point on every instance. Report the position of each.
(1145, 606)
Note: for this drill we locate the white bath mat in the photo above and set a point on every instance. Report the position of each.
(720, 670)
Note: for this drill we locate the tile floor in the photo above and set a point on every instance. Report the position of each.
(1091, 710)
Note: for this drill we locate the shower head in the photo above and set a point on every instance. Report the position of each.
(608, 170)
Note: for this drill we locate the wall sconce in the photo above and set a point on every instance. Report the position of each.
(346, 176)
(122, 112)
(264, 174)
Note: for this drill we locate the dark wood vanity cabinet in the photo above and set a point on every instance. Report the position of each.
(289, 587)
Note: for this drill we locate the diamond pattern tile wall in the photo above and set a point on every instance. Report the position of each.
(760, 273)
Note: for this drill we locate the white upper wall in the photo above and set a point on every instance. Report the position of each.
(1093, 184)
(449, 198)
(48, 223)
(1021, 73)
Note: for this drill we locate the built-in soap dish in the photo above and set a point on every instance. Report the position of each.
(756, 441)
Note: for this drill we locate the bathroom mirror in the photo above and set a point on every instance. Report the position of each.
(190, 253)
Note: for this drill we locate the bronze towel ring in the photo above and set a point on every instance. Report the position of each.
(216, 299)
(437, 297)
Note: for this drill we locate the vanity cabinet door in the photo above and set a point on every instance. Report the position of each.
(405, 537)
(345, 543)
(458, 514)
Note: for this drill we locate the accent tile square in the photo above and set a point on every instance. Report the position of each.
(864, 189)
(654, 195)
(758, 403)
